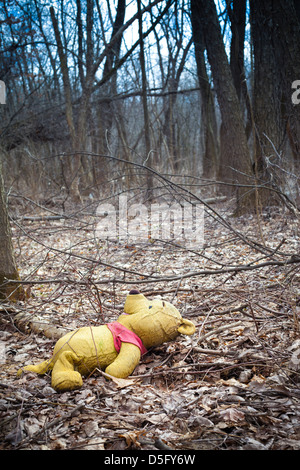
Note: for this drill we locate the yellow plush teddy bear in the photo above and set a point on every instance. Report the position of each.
(116, 347)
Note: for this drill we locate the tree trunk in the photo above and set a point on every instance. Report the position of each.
(287, 50)
(106, 109)
(237, 15)
(86, 86)
(235, 156)
(266, 96)
(74, 163)
(276, 37)
(8, 270)
(169, 127)
(145, 102)
(208, 116)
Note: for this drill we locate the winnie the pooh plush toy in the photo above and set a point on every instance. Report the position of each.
(116, 347)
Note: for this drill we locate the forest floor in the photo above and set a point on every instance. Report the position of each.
(235, 384)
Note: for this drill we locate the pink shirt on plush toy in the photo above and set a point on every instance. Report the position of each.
(121, 334)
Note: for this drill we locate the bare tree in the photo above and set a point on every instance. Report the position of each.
(105, 110)
(211, 154)
(275, 33)
(266, 96)
(178, 48)
(74, 163)
(235, 165)
(8, 269)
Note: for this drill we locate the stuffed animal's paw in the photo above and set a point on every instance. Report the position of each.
(68, 380)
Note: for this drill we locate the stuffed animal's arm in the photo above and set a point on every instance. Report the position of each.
(126, 361)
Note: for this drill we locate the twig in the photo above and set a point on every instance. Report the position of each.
(238, 308)
(175, 293)
(213, 352)
(218, 330)
(37, 218)
(253, 316)
(50, 425)
(159, 444)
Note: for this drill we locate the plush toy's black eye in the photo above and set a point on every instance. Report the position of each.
(150, 306)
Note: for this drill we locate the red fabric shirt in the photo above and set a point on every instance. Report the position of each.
(121, 334)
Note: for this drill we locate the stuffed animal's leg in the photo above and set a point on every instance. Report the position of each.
(126, 361)
(64, 377)
(40, 368)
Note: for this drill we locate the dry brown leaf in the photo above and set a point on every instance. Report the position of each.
(131, 438)
(121, 383)
(232, 415)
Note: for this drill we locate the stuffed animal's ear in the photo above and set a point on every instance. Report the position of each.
(135, 302)
(187, 327)
(134, 292)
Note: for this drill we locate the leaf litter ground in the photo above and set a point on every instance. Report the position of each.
(233, 385)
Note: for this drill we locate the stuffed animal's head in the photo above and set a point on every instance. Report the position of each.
(155, 321)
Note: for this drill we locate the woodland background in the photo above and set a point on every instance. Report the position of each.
(188, 88)
(193, 102)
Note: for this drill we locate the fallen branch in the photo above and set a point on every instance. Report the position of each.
(35, 218)
(213, 352)
(234, 309)
(218, 330)
(62, 418)
(150, 278)
(214, 200)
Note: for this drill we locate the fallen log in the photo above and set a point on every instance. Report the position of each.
(28, 322)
